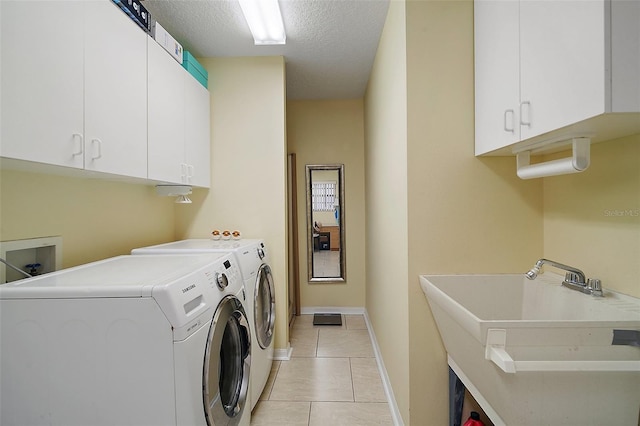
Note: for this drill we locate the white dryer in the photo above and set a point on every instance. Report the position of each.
(132, 340)
(259, 284)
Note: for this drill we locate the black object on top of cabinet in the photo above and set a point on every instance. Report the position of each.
(137, 12)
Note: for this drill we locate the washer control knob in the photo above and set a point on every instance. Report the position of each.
(260, 253)
(222, 281)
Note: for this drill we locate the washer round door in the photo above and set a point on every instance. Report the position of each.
(225, 380)
(264, 306)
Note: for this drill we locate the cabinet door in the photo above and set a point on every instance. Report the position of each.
(166, 116)
(497, 67)
(115, 92)
(42, 81)
(563, 63)
(197, 132)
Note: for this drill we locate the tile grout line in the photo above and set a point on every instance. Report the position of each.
(353, 387)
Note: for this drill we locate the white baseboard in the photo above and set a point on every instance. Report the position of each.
(283, 354)
(386, 383)
(354, 310)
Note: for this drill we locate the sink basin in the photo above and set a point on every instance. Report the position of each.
(536, 352)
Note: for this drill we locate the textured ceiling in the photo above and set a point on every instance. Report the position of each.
(331, 44)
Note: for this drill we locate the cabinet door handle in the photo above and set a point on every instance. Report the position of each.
(189, 172)
(506, 121)
(183, 172)
(526, 122)
(97, 142)
(78, 137)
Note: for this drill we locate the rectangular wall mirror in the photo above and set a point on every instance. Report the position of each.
(325, 223)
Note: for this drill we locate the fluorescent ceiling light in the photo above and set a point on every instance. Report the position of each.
(265, 21)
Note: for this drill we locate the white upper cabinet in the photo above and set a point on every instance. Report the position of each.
(179, 141)
(74, 86)
(548, 70)
(42, 47)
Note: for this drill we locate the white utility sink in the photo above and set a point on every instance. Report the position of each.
(538, 353)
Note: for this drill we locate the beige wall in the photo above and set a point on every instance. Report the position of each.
(386, 204)
(331, 132)
(248, 165)
(97, 219)
(460, 215)
(466, 214)
(592, 219)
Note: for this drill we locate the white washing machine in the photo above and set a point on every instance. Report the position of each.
(259, 284)
(131, 340)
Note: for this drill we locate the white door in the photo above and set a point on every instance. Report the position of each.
(115, 92)
(42, 81)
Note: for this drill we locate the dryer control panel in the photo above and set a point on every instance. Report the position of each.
(250, 258)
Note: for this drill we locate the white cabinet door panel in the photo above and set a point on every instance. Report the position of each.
(197, 132)
(166, 116)
(625, 54)
(562, 63)
(42, 81)
(115, 92)
(497, 83)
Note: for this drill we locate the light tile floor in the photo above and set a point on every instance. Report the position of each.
(331, 379)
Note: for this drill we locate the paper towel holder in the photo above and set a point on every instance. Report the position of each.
(578, 162)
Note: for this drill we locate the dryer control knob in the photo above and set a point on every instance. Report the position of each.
(222, 281)
(260, 253)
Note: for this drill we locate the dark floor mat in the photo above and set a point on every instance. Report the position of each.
(327, 319)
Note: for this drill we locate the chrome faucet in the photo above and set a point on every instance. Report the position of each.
(573, 279)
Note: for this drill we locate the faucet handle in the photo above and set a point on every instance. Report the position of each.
(595, 285)
(573, 278)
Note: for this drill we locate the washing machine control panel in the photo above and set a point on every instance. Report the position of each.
(227, 273)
